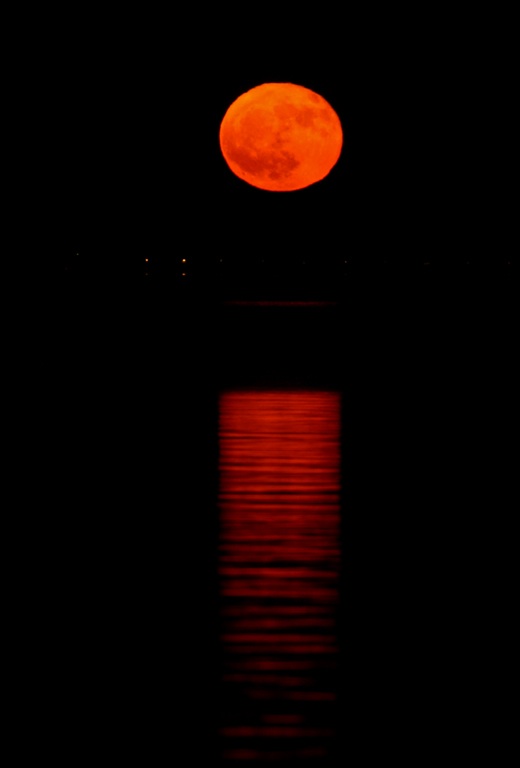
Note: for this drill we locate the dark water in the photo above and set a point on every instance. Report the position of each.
(261, 536)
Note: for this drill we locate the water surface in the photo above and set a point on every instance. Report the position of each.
(279, 558)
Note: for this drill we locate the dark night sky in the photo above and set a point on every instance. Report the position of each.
(120, 120)
(128, 108)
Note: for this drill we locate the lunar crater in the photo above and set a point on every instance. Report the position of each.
(275, 165)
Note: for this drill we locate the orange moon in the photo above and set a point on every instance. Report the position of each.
(281, 137)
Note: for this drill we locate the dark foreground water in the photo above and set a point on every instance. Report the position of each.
(260, 536)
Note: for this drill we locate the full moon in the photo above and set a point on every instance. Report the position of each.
(281, 137)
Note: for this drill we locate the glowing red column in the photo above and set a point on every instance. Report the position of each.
(279, 486)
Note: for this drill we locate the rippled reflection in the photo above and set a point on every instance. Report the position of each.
(279, 485)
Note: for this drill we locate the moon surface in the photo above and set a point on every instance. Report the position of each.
(281, 137)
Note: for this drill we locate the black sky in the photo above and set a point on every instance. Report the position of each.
(123, 113)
